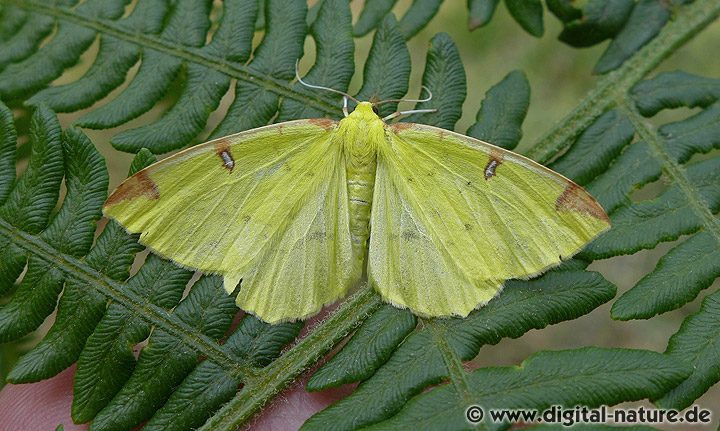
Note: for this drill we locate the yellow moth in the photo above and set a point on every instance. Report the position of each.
(295, 212)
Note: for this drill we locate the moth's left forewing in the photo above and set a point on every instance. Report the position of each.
(493, 214)
(250, 206)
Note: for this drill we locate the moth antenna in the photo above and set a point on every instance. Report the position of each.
(427, 99)
(318, 87)
(412, 111)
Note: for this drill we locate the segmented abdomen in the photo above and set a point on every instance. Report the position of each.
(360, 183)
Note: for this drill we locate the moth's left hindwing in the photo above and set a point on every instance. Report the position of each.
(453, 217)
(264, 206)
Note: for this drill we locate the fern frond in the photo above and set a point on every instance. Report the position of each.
(189, 373)
(597, 376)
(425, 357)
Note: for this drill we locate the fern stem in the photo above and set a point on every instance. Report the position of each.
(688, 22)
(456, 372)
(114, 291)
(289, 366)
(674, 171)
(190, 54)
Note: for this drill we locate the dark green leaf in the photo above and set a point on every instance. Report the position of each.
(35, 194)
(64, 50)
(674, 89)
(367, 350)
(371, 16)
(480, 12)
(80, 308)
(186, 26)
(635, 167)
(150, 84)
(334, 62)
(107, 359)
(276, 55)
(529, 14)
(697, 134)
(418, 16)
(113, 61)
(679, 276)
(209, 386)
(600, 20)
(28, 208)
(417, 363)
(387, 68)
(11, 20)
(8, 141)
(164, 363)
(597, 376)
(597, 147)
(644, 23)
(645, 224)
(499, 120)
(202, 93)
(444, 76)
(564, 9)
(697, 344)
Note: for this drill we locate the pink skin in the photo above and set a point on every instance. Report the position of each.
(46, 404)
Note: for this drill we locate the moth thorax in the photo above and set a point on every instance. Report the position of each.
(360, 142)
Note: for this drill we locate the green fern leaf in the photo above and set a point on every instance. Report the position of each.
(370, 347)
(426, 356)
(418, 16)
(62, 51)
(696, 344)
(480, 12)
(115, 57)
(7, 152)
(28, 208)
(371, 16)
(598, 20)
(644, 22)
(673, 90)
(503, 111)
(445, 75)
(188, 54)
(387, 68)
(334, 65)
(529, 14)
(107, 359)
(164, 363)
(594, 151)
(597, 376)
(209, 386)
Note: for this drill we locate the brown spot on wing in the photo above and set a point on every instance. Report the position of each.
(399, 127)
(575, 198)
(222, 149)
(496, 158)
(325, 123)
(139, 184)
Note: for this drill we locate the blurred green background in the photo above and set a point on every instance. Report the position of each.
(559, 77)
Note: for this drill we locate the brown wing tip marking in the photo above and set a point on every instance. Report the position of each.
(575, 198)
(222, 149)
(399, 127)
(325, 123)
(496, 158)
(139, 184)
